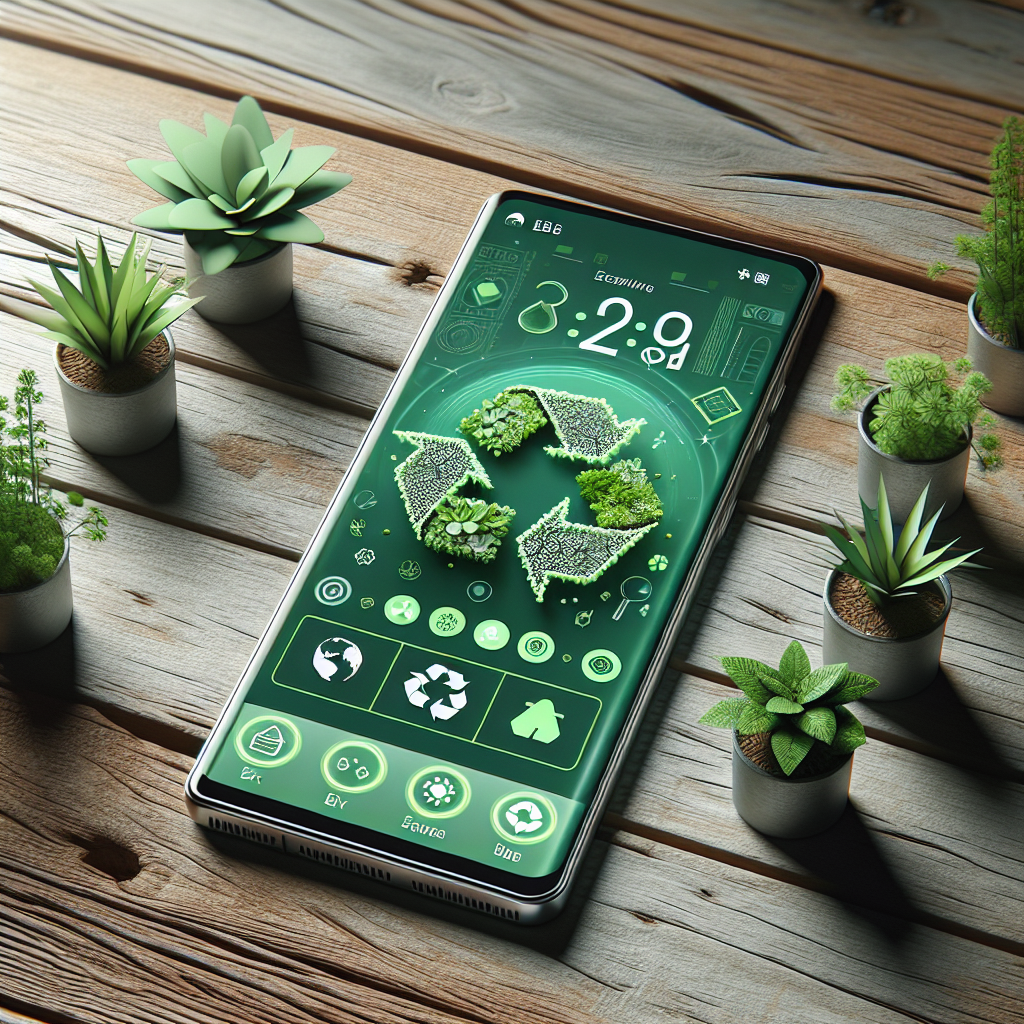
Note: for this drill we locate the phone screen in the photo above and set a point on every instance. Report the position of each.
(460, 656)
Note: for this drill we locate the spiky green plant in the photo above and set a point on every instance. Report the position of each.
(113, 314)
(469, 528)
(31, 534)
(925, 410)
(502, 424)
(798, 707)
(889, 566)
(621, 495)
(236, 192)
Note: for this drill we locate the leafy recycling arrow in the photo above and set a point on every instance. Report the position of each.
(416, 691)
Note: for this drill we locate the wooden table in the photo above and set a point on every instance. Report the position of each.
(855, 133)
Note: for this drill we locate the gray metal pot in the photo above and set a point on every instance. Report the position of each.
(902, 667)
(34, 617)
(1004, 366)
(784, 807)
(124, 424)
(245, 292)
(904, 479)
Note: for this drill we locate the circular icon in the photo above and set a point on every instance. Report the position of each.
(365, 499)
(438, 792)
(268, 741)
(491, 634)
(524, 817)
(402, 609)
(601, 666)
(446, 621)
(535, 646)
(479, 590)
(657, 563)
(332, 590)
(337, 652)
(409, 570)
(354, 767)
(515, 220)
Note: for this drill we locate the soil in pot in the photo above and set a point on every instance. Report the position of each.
(147, 365)
(758, 748)
(900, 619)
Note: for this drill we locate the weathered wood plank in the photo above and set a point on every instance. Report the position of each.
(116, 908)
(503, 92)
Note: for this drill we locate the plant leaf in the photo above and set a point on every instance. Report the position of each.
(302, 163)
(198, 215)
(174, 173)
(858, 564)
(292, 227)
(783, 706)
(249, 184)
(853, 687)
(756, 719)
(725, 714)
(911, 527)
(790, 747)
(271, 202)
(218, 251)
(163, 318)
(41, 315)
(146, 171)
(179, 137)
(943, 567)
(746, 674)
(203, 162)
(274, 156)
(849, 732)
(157, 218)
(91, 323)
(795, 666)
(819, 723)
(819, 682)
(249, 114)
(76, 342)
(238, 156)
(319, 186)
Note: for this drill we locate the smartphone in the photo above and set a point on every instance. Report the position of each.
(448, 689)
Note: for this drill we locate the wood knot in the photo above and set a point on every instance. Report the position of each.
(707, 894)
(473, 95)
(109, 856)
(643, 917)
(140, 598)
(417, 272)
(891, 12)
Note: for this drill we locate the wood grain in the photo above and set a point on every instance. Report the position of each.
(501, 92)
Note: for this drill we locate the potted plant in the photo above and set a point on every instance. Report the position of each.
(916, 430)
(35, 574)
(995, 313)
(114, 353)
(792, 741)
(236, 194)
(887, 602)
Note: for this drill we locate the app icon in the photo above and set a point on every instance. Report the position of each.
(634, 588)
(354, 766)
(268, 741)
(535, 646)
(448, 705)
(601, 666)
(410, 569)
(479, 590)
(538, 722)
(524, 817)
(446, 621)
(332, 590)
(491, 634)
(438, 792)
(337, 647)
(402, 609)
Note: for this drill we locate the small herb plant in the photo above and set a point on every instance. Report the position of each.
(31, 534)
(236, 192)
(621, 495)
(999, 253)
(925, 411)
(114, 313)
(469, 528)
(797, 707)
(502, 424)
(888, 567)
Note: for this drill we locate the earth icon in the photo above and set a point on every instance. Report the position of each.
(328, 654)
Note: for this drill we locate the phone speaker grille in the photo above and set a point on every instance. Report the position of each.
(439, 892)
(266, 838)
(345, 863)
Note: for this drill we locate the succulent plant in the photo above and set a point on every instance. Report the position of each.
(502, 424)
(236, 192)
(796, 706)
(890, 567)
(622, 495)
(113, 314)
(469, 528)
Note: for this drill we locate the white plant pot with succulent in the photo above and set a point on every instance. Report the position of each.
(236, 195)
(114, 354)
(793, 741)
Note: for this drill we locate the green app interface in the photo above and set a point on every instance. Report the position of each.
(459, 662)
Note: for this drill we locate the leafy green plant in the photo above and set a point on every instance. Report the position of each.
(999, 253)
(621, 495)
(889, 566)
(113, 314)
(797, 707)
(469, 528)
(502, 424)
(31, 532)
(925, 410)
(236, 192)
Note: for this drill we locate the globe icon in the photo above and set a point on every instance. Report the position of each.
(336, 653)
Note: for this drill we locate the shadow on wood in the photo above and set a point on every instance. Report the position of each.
(278, 344)
(44, 681)
(154, 475)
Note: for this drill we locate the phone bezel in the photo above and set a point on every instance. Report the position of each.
(203, 793)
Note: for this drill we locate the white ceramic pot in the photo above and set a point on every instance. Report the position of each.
(902, 667)
(36, 616)
(121, 424)
(245, 292)
(906, 479)
(1004, 366)
(785, 807)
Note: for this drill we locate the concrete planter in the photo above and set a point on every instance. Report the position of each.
(1004, 366)
(784, 807)
(902, 667)
(904, 479)
(245, 292)
(121, 424)
(36, 616)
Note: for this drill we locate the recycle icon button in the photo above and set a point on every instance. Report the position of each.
(524, 818)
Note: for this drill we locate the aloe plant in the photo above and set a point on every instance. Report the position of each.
(796, 706)
(236, 192)
(113, 314)
(891, 567)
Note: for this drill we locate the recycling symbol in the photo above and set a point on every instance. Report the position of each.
(446, 706)
(534, 817)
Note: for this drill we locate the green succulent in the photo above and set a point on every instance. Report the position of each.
(798, 707)
(891, 566)
(236, 192)
(469, 528)
(924, 412)
(502, 424)
(113, 314)
(621, 495)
